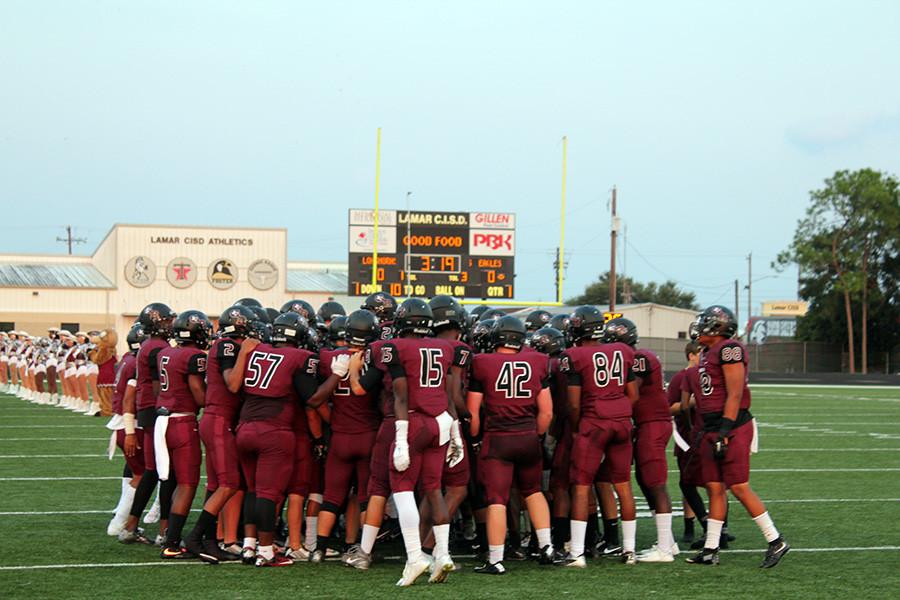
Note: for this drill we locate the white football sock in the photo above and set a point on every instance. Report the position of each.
(441, 540)
(409, 524)
(495, 554)
(664, 539)
(312, 528)
(267, 552)
(577, 530)
(713, 533)
(765, 524)
(543, 537)
(629, 532)
(369, 533)
(250, 542)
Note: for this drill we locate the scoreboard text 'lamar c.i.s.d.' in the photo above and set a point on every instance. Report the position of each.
(424, 253)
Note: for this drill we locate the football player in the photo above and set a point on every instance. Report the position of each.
(449, 317)
(601, 391)
(687, 424)
(518, 407)
(653, 429)
(156, 321)
(425, 415)
(125, 384)
(223, 477)
(724, 451)
(274, 376)
(182, 393)
(558, 442)
(354, 427)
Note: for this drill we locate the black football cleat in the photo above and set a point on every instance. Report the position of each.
(194, 545)
(490, 568)
(709, 557)
(548, 556)
(211, 548)
(515, 553)
(776, 550)
(317, 555)
(175, 553)
(609, 549)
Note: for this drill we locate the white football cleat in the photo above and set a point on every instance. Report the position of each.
(576, 562)
(152, 515)
(300, 553)
(443, 566)
(656, 555)
(412, 571)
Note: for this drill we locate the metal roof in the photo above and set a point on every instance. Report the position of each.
(305, 280)
(43, 275)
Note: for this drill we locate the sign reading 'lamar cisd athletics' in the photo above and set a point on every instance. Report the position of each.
(426, 253)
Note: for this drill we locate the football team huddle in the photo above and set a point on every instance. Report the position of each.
(320, 426)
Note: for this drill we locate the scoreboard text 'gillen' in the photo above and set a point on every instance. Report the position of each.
(426, 253)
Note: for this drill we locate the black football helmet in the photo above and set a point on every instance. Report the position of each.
(290, 328)
(508, 332)
(234, 322)
(361, 328)
(156, 319)
(537, 319)
(382, 304)
(261, 331)
(492, 314)
(586, 323)
(261, 313)
(273, 314)
(716, 320)
(413, 316)
(559, 322)
(248, 302)
(620, 330)
(448, 313)
(135, 337)
(337, 329)
(313, 340)
(548, 340)
(192, 326)
(481, 336)
(330, 310)
(301, 307)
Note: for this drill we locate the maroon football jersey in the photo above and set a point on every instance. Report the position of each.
(691, 385)
(424, 362)
(107, 372)
(124, 372)
(653, 405)
(602, 372)
(386, 393)
(271, 377)
(712, 379)
(673, 396)
(219, 401)
(558, 388)
(147, 371)
(349, 413)
(510, 384)
(175, 365)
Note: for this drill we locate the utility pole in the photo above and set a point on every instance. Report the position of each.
(558, 277)
(749, 286)
(612, 256)
(736, 305)
(71, 240)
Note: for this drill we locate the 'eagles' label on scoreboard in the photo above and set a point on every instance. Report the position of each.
(426, 253)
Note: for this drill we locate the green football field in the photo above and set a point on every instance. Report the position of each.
(828, 469)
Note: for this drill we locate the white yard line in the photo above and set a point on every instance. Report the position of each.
(55, 439)
(48, 426)
(834, 449)
(391, 558)
(18, 456)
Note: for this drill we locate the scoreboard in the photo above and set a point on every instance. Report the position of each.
(426, 253)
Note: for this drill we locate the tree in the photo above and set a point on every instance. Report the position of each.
(666, 293)
(846, 245)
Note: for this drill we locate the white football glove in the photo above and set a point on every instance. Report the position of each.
(340, 365)
(401, 445)
(456, 451)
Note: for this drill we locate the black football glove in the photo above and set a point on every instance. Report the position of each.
(720, 448)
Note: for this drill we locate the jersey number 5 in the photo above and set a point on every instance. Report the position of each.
(163, 375)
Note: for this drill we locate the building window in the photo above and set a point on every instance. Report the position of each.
(70, 327)
(682, 335)
(6, 326)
